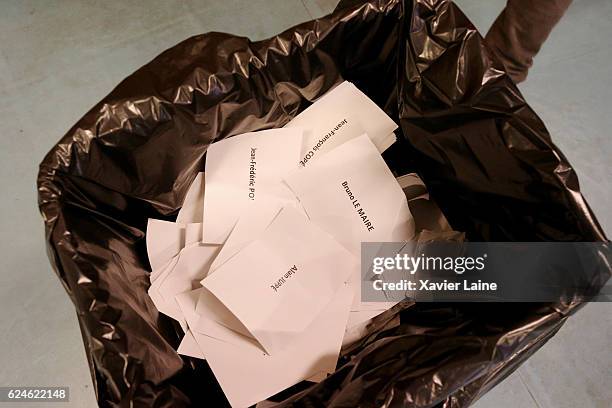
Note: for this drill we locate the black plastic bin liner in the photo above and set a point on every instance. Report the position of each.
(485, 156)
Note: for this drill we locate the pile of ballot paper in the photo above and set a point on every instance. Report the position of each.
(261, 267)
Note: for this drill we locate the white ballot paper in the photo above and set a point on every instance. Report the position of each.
(247, 375)
(251, 224)
(210, 312)
(154, 294)
(189, 346)
(165, 240)
(338, 116)
(290, 274)
(359, 200)
(183, 274)
(191, 211)
(244, 169)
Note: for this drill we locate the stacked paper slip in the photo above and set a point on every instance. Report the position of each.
(261, 268)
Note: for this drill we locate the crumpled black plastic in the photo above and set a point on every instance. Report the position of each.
(485, 156)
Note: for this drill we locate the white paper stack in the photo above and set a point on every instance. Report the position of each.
(262, 271)
(178, 258)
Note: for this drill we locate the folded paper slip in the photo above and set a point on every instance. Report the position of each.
(205, 322)
(201, 323)
(165, 239)
(351, 193)
(217, 321)
(189, 346)
(248, 376)
(243, 170)
(183, 274)
(193, 204)
(279, 283)
(338, 116)
(252, 223)
(160, 301)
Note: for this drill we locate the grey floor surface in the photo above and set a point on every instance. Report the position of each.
(58, 58)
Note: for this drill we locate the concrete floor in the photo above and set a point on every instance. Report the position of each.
(58, 58)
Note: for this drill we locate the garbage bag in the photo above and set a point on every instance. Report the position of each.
(487, 159)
